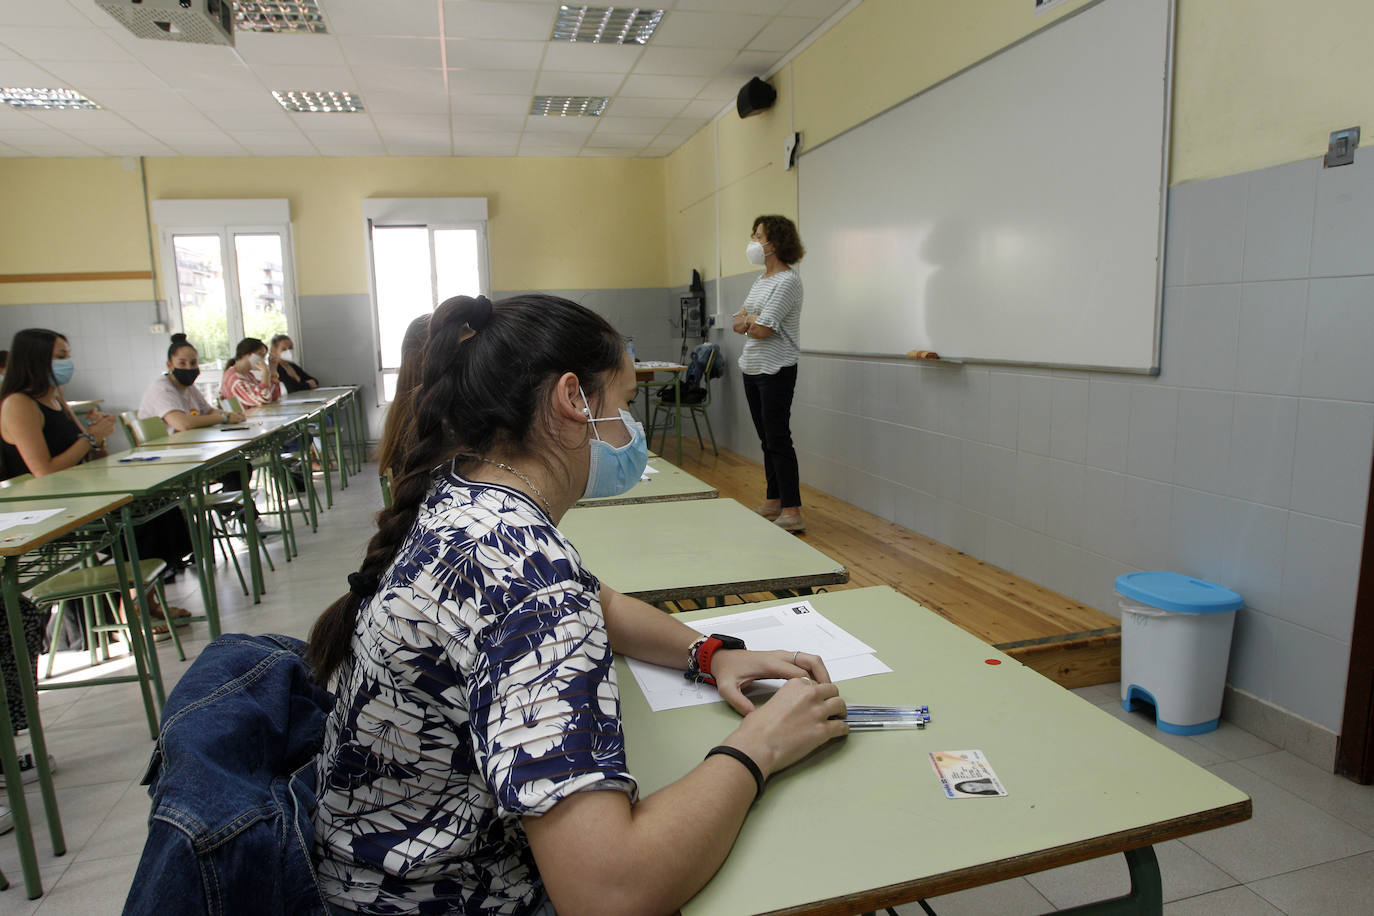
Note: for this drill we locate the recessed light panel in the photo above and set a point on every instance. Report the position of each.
(606, 24)
(50, 99)
(569, 106)
(324, 100)
(278, 16)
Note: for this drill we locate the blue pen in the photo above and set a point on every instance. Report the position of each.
(141, 458)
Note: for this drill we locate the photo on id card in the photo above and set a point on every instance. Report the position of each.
(966, 774)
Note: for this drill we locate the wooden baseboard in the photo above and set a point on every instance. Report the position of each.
(78, 277)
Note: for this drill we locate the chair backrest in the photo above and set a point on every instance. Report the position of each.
(384, 480)
(142, 431)
(231, 404)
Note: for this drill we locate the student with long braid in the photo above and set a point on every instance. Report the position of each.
(474, 760)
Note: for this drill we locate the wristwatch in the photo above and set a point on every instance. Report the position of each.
(699, 656)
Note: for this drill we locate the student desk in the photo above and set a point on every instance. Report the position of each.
(33, 554)
(700, 548)
(346, 406)
(307, 409)
(670, 484)
(863, 824)
(247, 431)
(644, 377)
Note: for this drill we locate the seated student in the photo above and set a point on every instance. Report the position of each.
(293, 377)
(401, 413)
(175, 399)
(251, 375)
(477, 713)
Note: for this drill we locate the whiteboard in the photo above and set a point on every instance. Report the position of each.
(1013, 213)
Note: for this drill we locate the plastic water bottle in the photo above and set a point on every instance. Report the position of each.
(630, 349)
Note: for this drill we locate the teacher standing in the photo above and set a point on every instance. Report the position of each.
(770, 320)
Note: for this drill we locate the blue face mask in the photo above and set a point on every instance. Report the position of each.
(613, 470)
(63, 370)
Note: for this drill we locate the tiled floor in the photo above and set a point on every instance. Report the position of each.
(1308, 850)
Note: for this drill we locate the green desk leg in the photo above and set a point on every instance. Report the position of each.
(143, 649)
(14, 783)
(338, 458)
(24, 666)
(145, 617)
(250, 521)
(1147, 892)
(677, 411)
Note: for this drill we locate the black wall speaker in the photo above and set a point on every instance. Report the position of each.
(756, 96)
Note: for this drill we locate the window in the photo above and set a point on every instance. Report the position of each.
(421, 252)
(234, 278)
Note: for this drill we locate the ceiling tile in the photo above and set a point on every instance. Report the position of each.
(276, 76)
(486, 19)
(555, 151)
(683, 61)
(487, 123)
(415, 123)
(418, 144)
(550, 83)
(16, 119)
(474, 103)
(8, 53)
(382, 51)
(342, 145)
(46, 13)
(642, 86)
(382, 17)
(11, 152)
(275, 143)
(64, 44)
(644, 108)
(591, 58)
(328, 122)
(564, 129)
(211, 73)
(295, 49)
(215, 100)
(764, 7)
(820, 9)
(723, 89)
(68, 120)
(262, 121)
(604, 153)
(170, 119)
(685, 125)
(707, 30)
(494, 55)
(485, 138)
(611, 124)
(705, 108)
(98, 76)
(752, 63)
(125, 143)
(201, 143)
(619, 141)
(495, 82)
(392, 79)
(783, 34)
(22, 74)
(407, 102)
(127, 100)
(469, 146)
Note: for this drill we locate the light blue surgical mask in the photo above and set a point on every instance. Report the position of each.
(63, 370)
(613, 470)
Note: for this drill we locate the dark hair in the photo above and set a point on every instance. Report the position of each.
(246, 346)
(401, 413)
(278, 338)
(29, 370)
(476, 392)
(178, 342)
(4, 358)
(781, 233)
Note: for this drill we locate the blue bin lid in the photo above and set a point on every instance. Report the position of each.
(1173, 592)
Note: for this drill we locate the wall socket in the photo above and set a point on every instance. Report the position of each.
(157, 327)
(1340, 149)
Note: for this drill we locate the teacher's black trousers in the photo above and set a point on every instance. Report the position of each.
(770, 404)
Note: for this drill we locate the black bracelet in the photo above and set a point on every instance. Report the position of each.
(743, 758)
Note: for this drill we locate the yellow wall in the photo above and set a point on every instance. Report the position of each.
(553, 223)
(1256, 83)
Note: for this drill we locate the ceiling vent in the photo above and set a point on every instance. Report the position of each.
(202, 22)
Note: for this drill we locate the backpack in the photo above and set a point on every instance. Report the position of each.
(704, 364)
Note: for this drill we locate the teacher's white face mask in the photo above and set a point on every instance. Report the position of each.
(754, 252)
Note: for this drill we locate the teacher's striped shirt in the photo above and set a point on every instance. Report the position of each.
(777, 301)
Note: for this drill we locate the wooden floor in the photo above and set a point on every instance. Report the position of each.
(1070, 643)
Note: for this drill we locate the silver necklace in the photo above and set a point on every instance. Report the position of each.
(529, 483)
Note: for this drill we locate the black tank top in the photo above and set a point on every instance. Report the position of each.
(59, 432)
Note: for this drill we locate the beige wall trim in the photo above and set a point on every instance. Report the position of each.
(76, 277)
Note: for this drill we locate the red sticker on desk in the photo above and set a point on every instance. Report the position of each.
(992, 661)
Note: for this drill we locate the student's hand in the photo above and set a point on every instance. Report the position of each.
(233, 416)
(313, 384)
(735, 670)
(799, 718)
(102, 428)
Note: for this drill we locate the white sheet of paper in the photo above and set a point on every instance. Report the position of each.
(15, 519)
(796, 626)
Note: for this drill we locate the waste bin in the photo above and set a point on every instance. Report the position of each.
(1175, 643)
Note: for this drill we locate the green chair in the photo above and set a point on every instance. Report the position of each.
(88, 585)
(692, 408)
(384, 480)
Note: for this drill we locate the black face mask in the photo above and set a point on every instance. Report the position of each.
(185, 377)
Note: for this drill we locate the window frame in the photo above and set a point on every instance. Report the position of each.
(432, 213)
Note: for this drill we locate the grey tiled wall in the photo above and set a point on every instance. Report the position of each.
(1245, 462)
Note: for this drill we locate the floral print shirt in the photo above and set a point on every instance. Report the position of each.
(480, 690)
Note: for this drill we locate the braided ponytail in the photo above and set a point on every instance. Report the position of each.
(486, 370)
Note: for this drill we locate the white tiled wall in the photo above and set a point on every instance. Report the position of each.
(1246, 461)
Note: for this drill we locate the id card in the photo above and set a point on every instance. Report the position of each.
(966, 774)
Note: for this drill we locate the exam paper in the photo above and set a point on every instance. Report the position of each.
(796, 626)
(15, 519)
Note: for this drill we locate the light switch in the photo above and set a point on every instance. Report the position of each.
(1340, 149)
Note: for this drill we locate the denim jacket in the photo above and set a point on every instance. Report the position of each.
(233, 786)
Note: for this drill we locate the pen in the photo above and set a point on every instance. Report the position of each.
(141, 458)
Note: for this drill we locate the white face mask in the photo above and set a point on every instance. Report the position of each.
(754, 252)
(287, 355)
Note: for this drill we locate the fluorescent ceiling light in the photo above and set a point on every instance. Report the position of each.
(324, 100)
(569, 106)
(278, 16)
(51, 99)
(606, 24)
